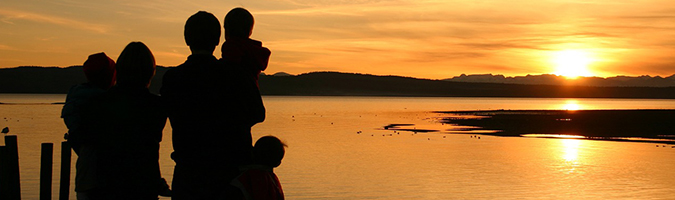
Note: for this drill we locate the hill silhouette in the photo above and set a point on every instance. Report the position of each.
(345, 84)
(52, 80)
(59, 80)
(550, 79)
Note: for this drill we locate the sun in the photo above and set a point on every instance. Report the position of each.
(572, 63)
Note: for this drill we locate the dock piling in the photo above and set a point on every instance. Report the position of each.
(64, 187)
(10, 169)
(46, 162)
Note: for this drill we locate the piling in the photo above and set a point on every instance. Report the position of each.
(64, 187)
(46, 162)
(4, 172)
(12, 179)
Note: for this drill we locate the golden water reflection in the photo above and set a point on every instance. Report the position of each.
(571, 149)
(571, 105)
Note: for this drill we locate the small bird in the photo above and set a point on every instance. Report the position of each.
(5, 130)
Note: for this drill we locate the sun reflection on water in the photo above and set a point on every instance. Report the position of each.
(571, 149)
(571, 105)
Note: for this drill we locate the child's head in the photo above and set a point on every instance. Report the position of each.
(269, 151)
(238, 23)
(100, 70)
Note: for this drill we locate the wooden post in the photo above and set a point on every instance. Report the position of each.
(64, 188)
(4, 172)
(13, 178)
(46, 163)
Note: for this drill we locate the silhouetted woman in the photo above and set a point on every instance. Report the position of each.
(126, 125)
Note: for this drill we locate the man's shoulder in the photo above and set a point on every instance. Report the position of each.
(199, 65)
(172, 71)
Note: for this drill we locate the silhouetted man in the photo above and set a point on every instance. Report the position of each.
(211, 108)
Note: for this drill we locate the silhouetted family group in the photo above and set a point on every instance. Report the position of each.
(115, 124)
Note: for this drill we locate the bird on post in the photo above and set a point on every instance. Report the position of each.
(5, 130)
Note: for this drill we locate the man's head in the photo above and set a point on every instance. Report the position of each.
(202, 31)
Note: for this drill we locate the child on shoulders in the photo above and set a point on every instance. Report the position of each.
(239, 50)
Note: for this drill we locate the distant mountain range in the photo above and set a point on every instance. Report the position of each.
(549, 79)
(59, 80)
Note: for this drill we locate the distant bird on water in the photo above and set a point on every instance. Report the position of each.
(5, 130)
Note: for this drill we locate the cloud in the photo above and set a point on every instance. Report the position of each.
(5, 47)
(170, 54)
(9, 16)
(404, 37)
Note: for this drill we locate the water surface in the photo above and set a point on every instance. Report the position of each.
(338, 150)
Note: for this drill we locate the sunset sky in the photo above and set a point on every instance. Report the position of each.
(418, 38)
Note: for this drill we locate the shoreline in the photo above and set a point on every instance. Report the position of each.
(608, 125)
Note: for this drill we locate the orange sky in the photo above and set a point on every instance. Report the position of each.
(419, 38)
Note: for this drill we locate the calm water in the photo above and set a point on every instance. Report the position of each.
(327, 159)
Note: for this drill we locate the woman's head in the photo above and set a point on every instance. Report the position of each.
(135, 65)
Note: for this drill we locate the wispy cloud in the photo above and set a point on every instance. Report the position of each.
(170, 54)
(425, 38)
(5, 47)
(10, 16)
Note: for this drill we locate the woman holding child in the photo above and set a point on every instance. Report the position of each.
(124, 127)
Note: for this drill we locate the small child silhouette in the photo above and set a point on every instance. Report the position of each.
(258, 181)
(100, 72)
(239, 50)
